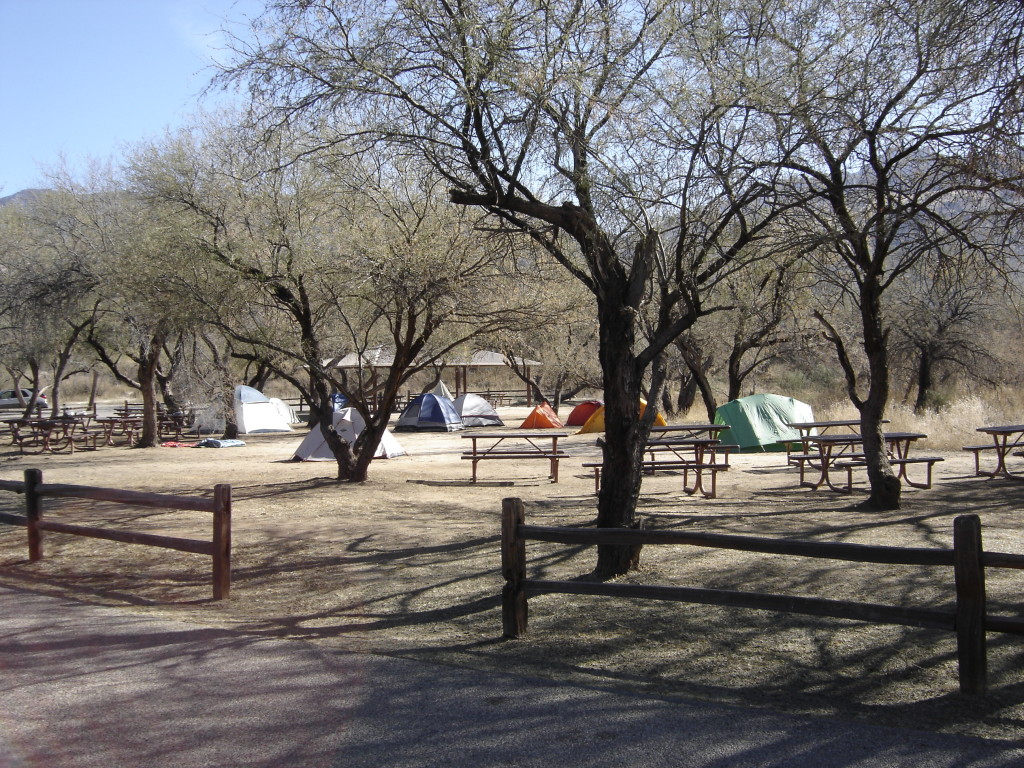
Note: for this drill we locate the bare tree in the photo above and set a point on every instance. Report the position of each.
(319, 257)
(48, 282)
(610, 134)
(893, 100)
(942, 327)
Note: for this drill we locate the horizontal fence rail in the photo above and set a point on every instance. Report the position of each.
(967, 559)
(218, 547)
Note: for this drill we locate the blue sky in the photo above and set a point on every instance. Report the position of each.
(83, 78)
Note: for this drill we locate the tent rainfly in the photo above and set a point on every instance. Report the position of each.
(758, 422)
(349, 425)
(477, 412)
(430, 412)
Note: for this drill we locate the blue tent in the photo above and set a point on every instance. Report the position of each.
(430, 411)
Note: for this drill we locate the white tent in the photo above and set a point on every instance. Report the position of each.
(442, 391)
(347, 423)
(477, 412)
(255, 412)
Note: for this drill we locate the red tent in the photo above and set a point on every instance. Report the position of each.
(578, 416)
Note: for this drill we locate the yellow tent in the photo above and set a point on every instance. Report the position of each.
(596, 421)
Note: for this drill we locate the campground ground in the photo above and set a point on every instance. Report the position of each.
(408, 564)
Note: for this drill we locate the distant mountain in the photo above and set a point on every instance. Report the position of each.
(24, 196)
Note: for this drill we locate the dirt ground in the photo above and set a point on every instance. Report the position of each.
(408, 564)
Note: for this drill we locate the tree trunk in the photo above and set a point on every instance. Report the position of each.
(885, 486)
(624, 437)
(687, 393)
(666, 401)
(150, 359)
(924, 381)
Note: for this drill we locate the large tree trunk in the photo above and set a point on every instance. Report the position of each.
(624, 437)
(150, 360)
(885, 486)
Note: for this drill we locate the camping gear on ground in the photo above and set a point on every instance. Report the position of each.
(255, 412)
(477, 412)
(578, 416)
(430, 412)
(542, 416)
(349, 425)
(758, 422)
(596, 422)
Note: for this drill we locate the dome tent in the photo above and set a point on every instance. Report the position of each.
(758, 422)
(255, 412)
(542, 416)
(596, 421)
(477, 412)
(348, 424)
(578, 416)
(430, 412)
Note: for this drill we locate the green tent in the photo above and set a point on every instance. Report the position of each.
(758, 422)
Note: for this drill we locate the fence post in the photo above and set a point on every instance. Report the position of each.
(221, 542)
(33, 511)
(970, 604)
(514, 609)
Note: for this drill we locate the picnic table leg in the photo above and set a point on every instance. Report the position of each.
(554, 469)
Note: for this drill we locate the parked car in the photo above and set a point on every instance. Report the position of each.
(9, 398)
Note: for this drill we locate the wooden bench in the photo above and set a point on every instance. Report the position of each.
(803, 460)
(679, 465)
(719, 453)
(84, 438)
(930, 461)
(976, 450)
(534, 449)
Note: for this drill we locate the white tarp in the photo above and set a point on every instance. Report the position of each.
(349, 424)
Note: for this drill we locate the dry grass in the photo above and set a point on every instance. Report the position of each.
(408, 564)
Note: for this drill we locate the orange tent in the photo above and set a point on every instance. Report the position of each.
(596, 422)
(578, 416)
(541, 417)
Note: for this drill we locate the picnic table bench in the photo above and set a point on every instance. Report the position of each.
(516, 445)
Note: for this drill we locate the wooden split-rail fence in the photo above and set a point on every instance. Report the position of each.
(968, 619)
(219, 505)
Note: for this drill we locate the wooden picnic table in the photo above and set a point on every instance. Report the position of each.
(515, 445)
(697, 454)
(808, 429)
(125, 426)
(1006, 439)
(845, 452)
(51, 435)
